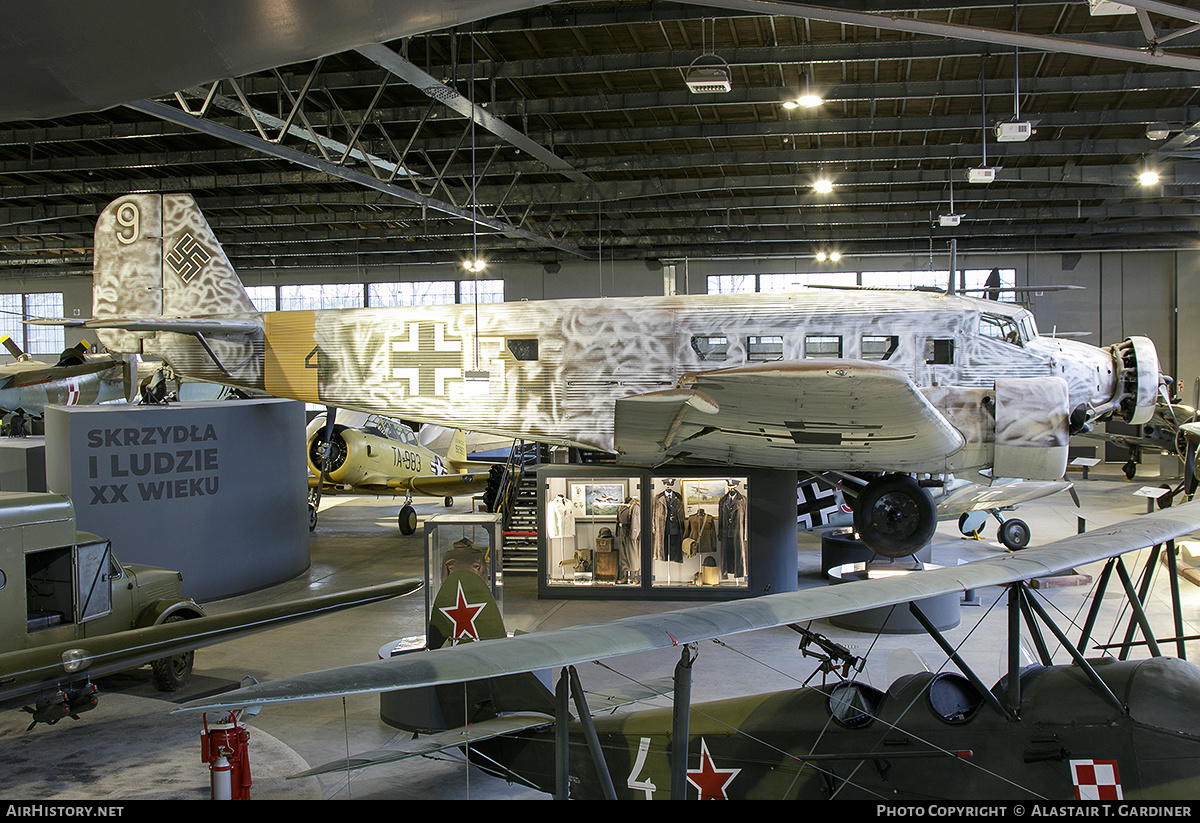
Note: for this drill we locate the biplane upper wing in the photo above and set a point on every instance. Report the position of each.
(581, 644)
(839, 415)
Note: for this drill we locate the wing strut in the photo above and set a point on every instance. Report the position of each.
(568, 684)
(680, 732)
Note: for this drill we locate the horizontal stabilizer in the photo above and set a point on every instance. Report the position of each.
(179, 325)
(582, 644)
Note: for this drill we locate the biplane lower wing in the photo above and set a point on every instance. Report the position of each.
(598, 701)
(832, 415)
(581, 644)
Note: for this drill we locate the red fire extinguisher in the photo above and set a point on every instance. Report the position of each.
(225, 747)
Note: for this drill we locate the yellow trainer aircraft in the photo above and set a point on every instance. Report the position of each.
(383, 456)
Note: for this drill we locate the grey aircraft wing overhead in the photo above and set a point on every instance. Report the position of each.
(581, 644)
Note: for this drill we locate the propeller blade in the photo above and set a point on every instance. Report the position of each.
(330, 418)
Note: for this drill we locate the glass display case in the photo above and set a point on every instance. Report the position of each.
(699, 531)
(593, 530)
(457, 542)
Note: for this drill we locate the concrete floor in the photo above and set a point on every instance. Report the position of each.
(133, 746)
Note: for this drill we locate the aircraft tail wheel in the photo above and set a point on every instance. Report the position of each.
(312, 517)
(894, 516)
(1014, 534)
(408, 520)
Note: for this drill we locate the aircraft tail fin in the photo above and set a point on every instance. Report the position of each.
(156, 256)
(464, 611)
(457, 453)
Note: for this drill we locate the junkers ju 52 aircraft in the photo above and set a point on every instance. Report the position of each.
(1106, 728)
(384, 456)
(893, 392)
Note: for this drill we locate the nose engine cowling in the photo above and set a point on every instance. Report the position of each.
(1138, 379)
(339, 451)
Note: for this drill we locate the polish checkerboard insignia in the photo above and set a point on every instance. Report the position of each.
(1096, 780)
(187, 257)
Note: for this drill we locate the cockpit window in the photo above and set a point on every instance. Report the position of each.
(854, 704)
(1000, 327)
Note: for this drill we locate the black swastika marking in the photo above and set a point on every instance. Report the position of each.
(188, 257)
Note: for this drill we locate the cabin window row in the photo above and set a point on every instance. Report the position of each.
(722, 348)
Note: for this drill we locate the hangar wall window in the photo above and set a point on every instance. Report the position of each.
(321, 296)
(490, 291)
(731, 284)
(791, 282)
(417, 293)
(264, 298)
(33, 339)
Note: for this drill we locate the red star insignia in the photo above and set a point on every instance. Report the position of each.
(710, 781)
(463, 615)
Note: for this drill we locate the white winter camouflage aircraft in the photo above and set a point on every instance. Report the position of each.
(897, 391)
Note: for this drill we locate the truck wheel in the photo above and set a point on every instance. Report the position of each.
(173, 673)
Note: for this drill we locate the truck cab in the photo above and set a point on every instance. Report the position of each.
(58, 584)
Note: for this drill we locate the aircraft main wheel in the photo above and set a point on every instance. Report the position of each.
(894, 516)
(449, 501)
(408, 520)
(1014, 534)
(312, 517)
(172, 673)
(1130, 469)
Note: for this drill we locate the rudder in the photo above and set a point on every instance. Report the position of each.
(155, 255)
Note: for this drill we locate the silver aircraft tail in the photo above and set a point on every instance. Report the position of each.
(155, 256)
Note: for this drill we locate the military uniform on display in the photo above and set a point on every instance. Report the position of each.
(731, 528)
(668, 525)
(629, 538)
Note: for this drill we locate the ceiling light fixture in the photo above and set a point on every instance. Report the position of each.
(823, 186)
(708, 79)
(1148, 177)
(1158, 131)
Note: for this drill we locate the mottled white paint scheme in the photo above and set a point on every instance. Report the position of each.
(411, 362)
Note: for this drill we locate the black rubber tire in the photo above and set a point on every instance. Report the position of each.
(173, 673)
(894, 516)
(448, 501)
(407, 520)
(312, 517)
(1014, 534)
(1130, 470)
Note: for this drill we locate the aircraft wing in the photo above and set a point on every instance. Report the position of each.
(581, 644)
(836, 415)
(440, 485)
(23, 671)
(598, 701)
